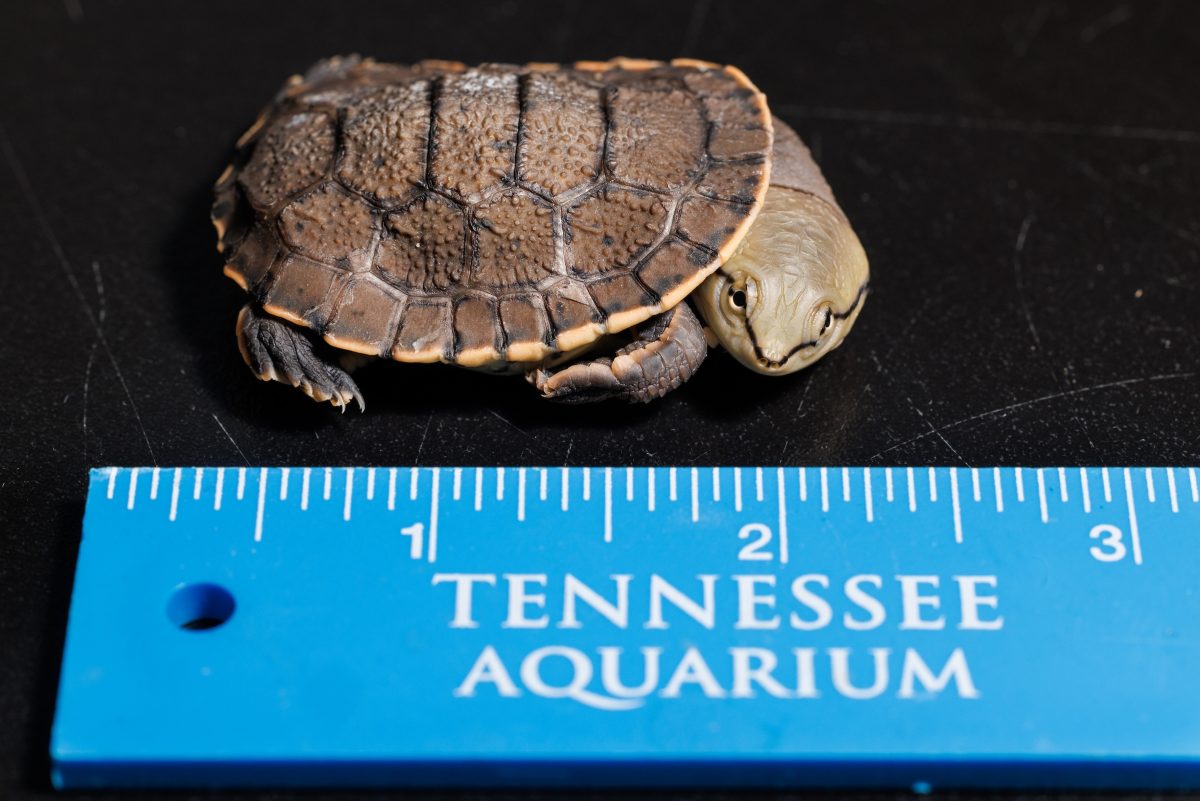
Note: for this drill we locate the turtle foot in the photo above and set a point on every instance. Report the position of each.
(276, 350)
(665, 352)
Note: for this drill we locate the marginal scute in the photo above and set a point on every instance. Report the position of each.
(331, 226)
(710, 222)
(385, 138)
(563, 133)
(426, 331)
(740, 182)
(642, 151)
(619, 294)
(422, 246)
(475, 132)
(294, 153)
(515, 241)
(734, 142)
(252, 258)
(612, 229)
(672, 265)
(301, 290)
(475, 331)
(573, 314)
(526, 327)
(365, 318)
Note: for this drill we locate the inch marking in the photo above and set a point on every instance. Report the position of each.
(283, 484)
(349, 493)
(306, 479)
(262, 502)
(758, 484)
(998, 486)
(328, 490)
(608, 504)
(671, 485)
(1134, 537)
(433, 514)
(414, 482)
(370, 483)
(220, 487)
(1107, 485)
(521, 493)
(650, 489)
(737, 489)
(846, 484)
(781, 493)
(565, 480)
(887, 475)
(154, 484)
(1087, 491)
(198, 484)
(867, 494)
(391, 499)
(958, 533)
(241, 487)
(932, 485)
(912, 490)
(695, 495)
(1171, 489)
(975, 492)
(133, 474)
(824, 489)
(1062, 483)
(175, 492)
(1020, 486)
(1150, 485)
(456, 493)
(1041, 479)
(478, 488)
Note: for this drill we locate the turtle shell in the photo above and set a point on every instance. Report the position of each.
(497, 213)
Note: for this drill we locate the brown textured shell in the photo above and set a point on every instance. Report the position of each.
(497, 213)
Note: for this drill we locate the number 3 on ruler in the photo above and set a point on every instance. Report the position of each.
(1111, 547)
(753, 551)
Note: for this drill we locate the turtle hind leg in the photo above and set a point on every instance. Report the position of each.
(276, 350)
(666, 351)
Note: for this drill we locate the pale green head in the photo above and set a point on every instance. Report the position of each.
(792, 289)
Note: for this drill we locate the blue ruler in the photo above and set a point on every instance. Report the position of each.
(633, 626)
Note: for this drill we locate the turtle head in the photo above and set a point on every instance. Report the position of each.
(793, 288)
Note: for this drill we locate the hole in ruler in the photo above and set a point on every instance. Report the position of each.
(199, 607)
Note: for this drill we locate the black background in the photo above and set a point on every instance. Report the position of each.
(1023, 177)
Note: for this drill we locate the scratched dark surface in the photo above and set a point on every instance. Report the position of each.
(1023, 177)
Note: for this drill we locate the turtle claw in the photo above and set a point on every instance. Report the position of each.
(279, 351)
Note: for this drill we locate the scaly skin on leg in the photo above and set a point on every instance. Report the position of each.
(665, 352)
(277, 350)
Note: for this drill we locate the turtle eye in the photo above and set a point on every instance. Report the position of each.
(738, 296)
(823, 316)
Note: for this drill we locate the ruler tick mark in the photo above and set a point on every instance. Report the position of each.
(175, 492)
(1171, 489)
(975, 491)
(565, 480)
(1107, 485)
(1086, 490)
(912, 489)
(887, 477)
(758, 484)
(305, 480)
(283, 484)
(716, 484)
(1150, 485)
(478, 488)
(958, 532)
(414, 482)
(846, 484)
(198, 483)
(133, 476)
(262, 502)
(154, 484)
(370, 483)
(671, 492)
(998, 488)
(241, 485)
(499, 483)
(824, 489)
(1020, 476)
(867, 494)
(349, 493)
(932, 485)
(521, 493)
(629, 484)
(328, 489)
(587, 483)
(608, 504)
(695, 495)
(456, 493)
(650, 499)
(737, 489)
(1062, 483)
(220, 488)
(803, 484)
(112, 482)
(1134, 536)
(542, 486)
(391, 498)
(1041, 482)
(781, 493)
(1195, 486)
(434, 491)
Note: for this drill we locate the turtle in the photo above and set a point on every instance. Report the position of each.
(596, 226)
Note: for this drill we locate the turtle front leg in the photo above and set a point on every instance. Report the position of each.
(277, 350)
(666, 351)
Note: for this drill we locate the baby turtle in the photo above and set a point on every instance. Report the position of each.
(541, 219)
